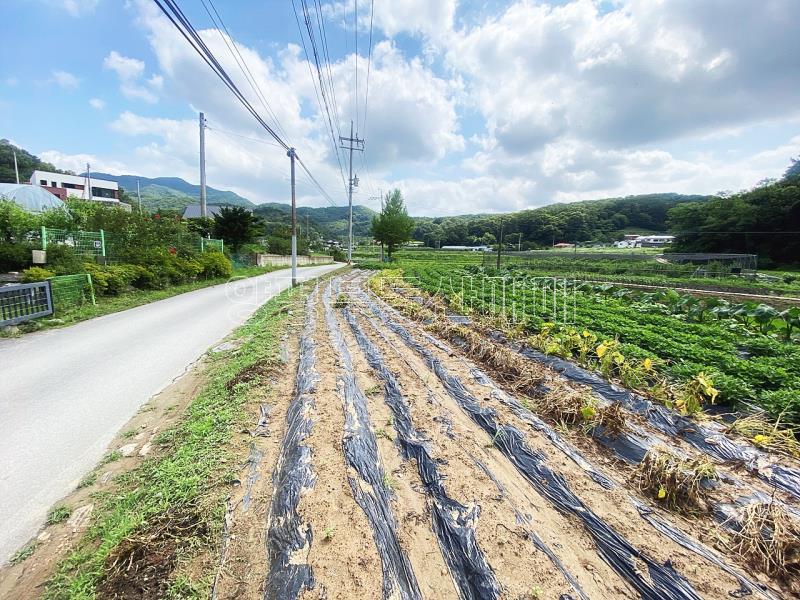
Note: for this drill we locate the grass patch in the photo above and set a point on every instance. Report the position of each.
(675, 482)
(88, 480)
(112, 456)
(59, 514)
(23, 553)
(172, 505)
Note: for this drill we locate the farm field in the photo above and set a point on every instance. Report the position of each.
(637, 266)
(747, 361)
(367, 447)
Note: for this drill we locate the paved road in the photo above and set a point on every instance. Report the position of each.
(64, 393)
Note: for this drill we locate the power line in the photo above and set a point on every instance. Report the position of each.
(176, 16)
(243, 67)
(188, 31)
(369, 65)
(321, 91)
(244, 137)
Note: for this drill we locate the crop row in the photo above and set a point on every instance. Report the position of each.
(743, 365)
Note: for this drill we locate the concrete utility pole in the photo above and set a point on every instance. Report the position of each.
(88, 182)
(16, 169)
(353, 144)
(500, 245)
(139, 196)
(291, 155)
(203, 211)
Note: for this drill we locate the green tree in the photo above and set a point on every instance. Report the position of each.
(237, 226)
(393, 226)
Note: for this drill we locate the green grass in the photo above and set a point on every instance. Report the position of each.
(23, 553)
(189, 477)
(131, 299)
(59, 514)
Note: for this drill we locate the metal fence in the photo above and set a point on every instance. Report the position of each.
(84, 243)
(211, 245)
(26, 301)
(72, 291)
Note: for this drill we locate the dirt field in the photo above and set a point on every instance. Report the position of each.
(387, 462)
(406, 471)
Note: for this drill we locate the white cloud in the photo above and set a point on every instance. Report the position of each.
(76, 8)
(398, 16)
(97, 103)
(12, 81)
(66, 80)
(130, 72)
(77, 162)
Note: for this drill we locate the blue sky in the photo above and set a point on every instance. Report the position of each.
(473, 105)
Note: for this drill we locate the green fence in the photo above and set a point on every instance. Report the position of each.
(84, 243)
(210, 245)
(72, 290)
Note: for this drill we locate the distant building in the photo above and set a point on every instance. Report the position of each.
(74, 186)
(467, 248)
(655, 241)
(645, 241)
(563, 245)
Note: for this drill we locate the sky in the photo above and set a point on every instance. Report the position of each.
(472, 105)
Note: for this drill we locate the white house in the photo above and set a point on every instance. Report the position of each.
(74, 186)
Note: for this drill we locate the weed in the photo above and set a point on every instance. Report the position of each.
(371, 391)
(128, 434)
(498, 435)
(674, 481)
(390, 421)
(772, 437)
(23, 553)
(88, 480)
(382, 433)
(58, 514)
(328, 533)
(388, 482)
(768, 537)
(112, 456)
(341, 301)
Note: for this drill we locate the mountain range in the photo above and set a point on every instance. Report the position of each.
(172, 193)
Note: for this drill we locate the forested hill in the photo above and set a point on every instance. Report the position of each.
(330, 222)
(591, 220)
(172, 193)
(27, 163)
(763, 221)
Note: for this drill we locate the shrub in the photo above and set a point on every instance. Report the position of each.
(62, 260)
(36, 274)
(215, 264)
(14, 257)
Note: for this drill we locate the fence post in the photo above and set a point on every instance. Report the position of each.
(91, 287)
(103, 242)
(44, 237)
(202, 245)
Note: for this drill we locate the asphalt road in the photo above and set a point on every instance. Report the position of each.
(64, 393)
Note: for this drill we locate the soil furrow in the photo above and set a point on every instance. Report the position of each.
(454, 523)
(621, 554)
(368, 481)
(288, 535)
(511, 508)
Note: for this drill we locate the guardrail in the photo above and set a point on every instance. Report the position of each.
(26, 301)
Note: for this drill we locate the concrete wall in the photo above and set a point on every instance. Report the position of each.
(263, 260)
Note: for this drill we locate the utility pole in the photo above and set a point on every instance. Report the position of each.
(16, 169)
(353, 143)
(139, 196)
(291, 155)
(500, 245)
(203, 211)
(88, 182)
